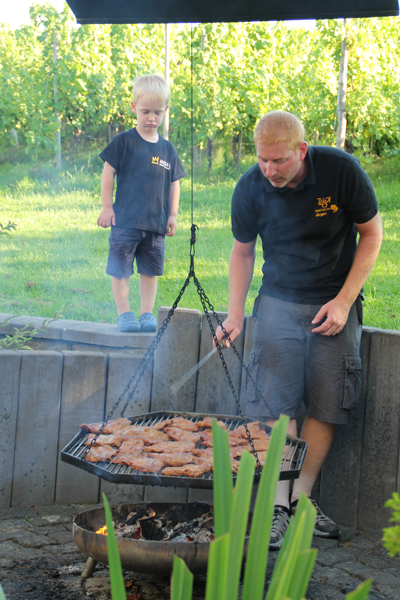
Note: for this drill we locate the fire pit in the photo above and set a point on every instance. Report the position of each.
(161, 525)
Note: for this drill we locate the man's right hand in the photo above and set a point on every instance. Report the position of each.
(106, 217)
(233, 329)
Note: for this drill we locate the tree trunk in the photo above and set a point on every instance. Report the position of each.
(58, 132)
(210, 144)
(166, 72)
(239, 157)
(235, 139)
(341, 103)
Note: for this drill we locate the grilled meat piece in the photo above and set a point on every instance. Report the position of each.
(147, 465)
(169, 447)
(112, 439)
(162, 424)
(185, 424)
(124, 456)
(186, 470)
(133, 443)
(203, 452)
(148, 435)
(100, 453)
(174, 460)
(179, 435)
(110, 426)
(208, 421)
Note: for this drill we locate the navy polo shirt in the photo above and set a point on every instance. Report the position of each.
(145, 172)
(308, 233)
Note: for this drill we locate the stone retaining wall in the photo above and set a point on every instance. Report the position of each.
(78, 371)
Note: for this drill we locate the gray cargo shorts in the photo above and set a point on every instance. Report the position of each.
(291, 365)
(127, 245)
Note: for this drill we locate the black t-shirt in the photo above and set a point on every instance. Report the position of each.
(308, 233)
(145, 172)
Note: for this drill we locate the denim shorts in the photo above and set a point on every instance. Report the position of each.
(291, 365)
(127, 245)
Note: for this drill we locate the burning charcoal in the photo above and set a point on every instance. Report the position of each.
(145, 513)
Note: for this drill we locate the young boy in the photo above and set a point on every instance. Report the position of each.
(148, 170)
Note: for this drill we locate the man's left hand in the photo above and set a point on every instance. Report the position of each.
(335, 313)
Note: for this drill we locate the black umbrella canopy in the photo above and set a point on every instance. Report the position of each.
(207, 11)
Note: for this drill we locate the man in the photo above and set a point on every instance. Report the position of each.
(307, 204)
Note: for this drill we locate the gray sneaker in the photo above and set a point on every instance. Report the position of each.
(324, 526)
(280, 523)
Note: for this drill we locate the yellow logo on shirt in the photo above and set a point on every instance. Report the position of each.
(155, 160)
(325, 205)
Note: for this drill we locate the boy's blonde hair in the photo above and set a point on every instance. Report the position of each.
(279, 126)
(152, 85)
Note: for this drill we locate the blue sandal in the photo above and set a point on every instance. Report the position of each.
(148, 323)
(127, 322)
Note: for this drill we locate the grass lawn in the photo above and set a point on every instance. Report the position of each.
(54, 263)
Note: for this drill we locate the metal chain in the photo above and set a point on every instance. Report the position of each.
(148, 356)
(204, 301)
(144, 363)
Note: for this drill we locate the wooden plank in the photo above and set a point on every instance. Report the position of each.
(121, 367)
(340, 475)
(10, 364)
(380, 453)
(177, 352)
(83, 401)
(249, 324)
(213, 393)
(37, 428)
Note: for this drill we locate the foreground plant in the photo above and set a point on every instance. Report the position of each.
(6, 229)
(20, 338)
(295, 561)
(391, 535)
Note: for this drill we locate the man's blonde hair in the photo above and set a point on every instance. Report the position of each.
(152, 85)
(279, 126)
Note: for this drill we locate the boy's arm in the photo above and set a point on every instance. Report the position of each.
(174, 205)
(107, 215)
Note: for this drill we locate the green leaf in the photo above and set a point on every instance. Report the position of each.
(223, 483)
(297, 539)
(301, 574)
(361, 592)
(2, 596)
(182, 581)
(217, 568)
(114, 561)
(257, 553)
(239, 520)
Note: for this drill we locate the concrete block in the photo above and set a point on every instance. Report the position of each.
(121, 368)
(10, 363)
(177, 352)
(28, 323)
(198, 495)
(55, 345)
(249, 324)
(83, 401)
(121, 493)
(380, 457)
(165, 494)
(340, 475)
(80, 347)
(104, 334)
(214, 394)
(37, 428)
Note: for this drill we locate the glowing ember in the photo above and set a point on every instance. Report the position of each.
(102, 530)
